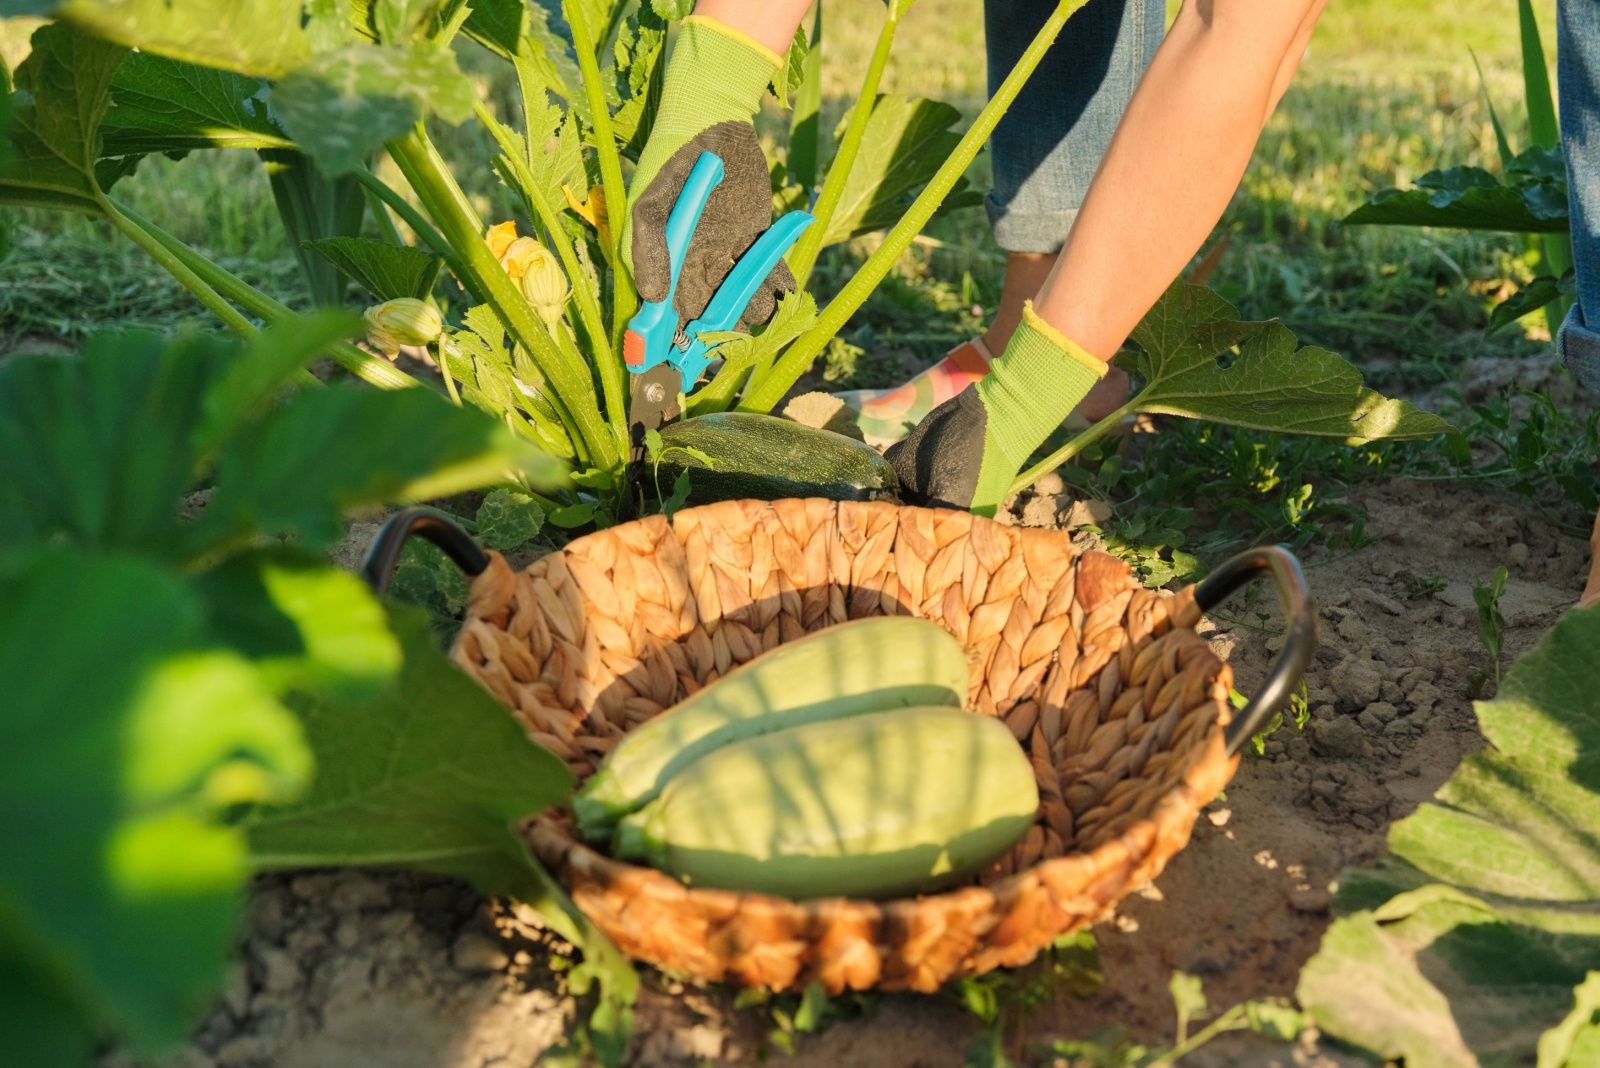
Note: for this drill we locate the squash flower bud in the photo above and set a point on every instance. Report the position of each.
(544, 284)
(406, 321)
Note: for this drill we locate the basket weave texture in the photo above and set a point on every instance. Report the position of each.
(1119, 704)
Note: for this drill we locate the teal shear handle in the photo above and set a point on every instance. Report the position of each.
(649, 340)
(653, 337)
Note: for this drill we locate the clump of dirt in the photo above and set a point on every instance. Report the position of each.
(358, 968)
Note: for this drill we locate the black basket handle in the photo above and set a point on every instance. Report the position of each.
(1299, 639)
(436, 527)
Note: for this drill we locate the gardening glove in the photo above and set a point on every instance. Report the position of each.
(968, 450)
(715, 80)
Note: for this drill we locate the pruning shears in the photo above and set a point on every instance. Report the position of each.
(667, 361)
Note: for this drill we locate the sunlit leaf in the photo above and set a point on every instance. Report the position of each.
(1477, 934)
(257, 37)
(432, 774)
(906, 141)
(164, 105)
(113, 851)
(1270, 384)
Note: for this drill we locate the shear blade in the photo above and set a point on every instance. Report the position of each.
(654, 403)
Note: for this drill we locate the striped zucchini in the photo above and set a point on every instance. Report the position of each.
(862, 666)
(874, 806)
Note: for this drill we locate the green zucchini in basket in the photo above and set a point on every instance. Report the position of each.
(866, 665)
(767, 458)
(874, 806)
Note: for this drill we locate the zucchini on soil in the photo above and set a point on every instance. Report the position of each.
(866, 665)
(874, 806)
(767, 458)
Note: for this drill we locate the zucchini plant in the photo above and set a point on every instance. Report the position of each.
(1477, 940)
(1529, 197)
(326, 86)
(194, 695)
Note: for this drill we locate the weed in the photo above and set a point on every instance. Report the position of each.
(1491, 623)
(1299, 714)
(1114, 1048)
(1429, 586)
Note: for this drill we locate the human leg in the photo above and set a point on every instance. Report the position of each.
(1044, 154)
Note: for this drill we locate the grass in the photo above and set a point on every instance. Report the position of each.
(1386, 92)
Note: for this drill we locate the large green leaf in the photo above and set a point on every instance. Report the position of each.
(305, 624)
(164, 105)
(1486, 915)
(98, 449)
(126, 742)
(1532, 199)
(343, 104)
(329, 450)
(433, 774)
(257, 37)
(906, 141)
(54, 136)
(384, 270)
(1269, 383)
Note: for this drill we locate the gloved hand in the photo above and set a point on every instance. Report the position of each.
(968, 450)
(715, 80)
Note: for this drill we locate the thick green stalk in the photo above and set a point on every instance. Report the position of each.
(1074, 447)
(624, 298)
(769, 389)
(573, 395)
(610, 368)
(363, 365)
(804, 256)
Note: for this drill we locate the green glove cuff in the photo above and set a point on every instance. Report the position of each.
(1027, 393)
(716, 74)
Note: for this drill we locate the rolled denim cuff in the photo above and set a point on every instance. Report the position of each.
(1018, 229)
(1580, 349)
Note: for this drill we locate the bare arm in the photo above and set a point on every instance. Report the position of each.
(1174, 163)
(771, 22)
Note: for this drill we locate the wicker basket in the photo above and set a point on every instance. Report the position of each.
(1122, 708)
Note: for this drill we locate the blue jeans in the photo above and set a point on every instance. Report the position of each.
(1047, 147)
(1578, 76)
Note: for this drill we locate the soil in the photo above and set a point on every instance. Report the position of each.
(355, 969)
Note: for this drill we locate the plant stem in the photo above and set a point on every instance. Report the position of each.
(573, 395)
(380, 214)
(609, 368)
(770, 388)
(424, 231)
(804, 256)
(202, 290)
(1075, 446)
(1232, 1020)
(363, 365)
(624, 298)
